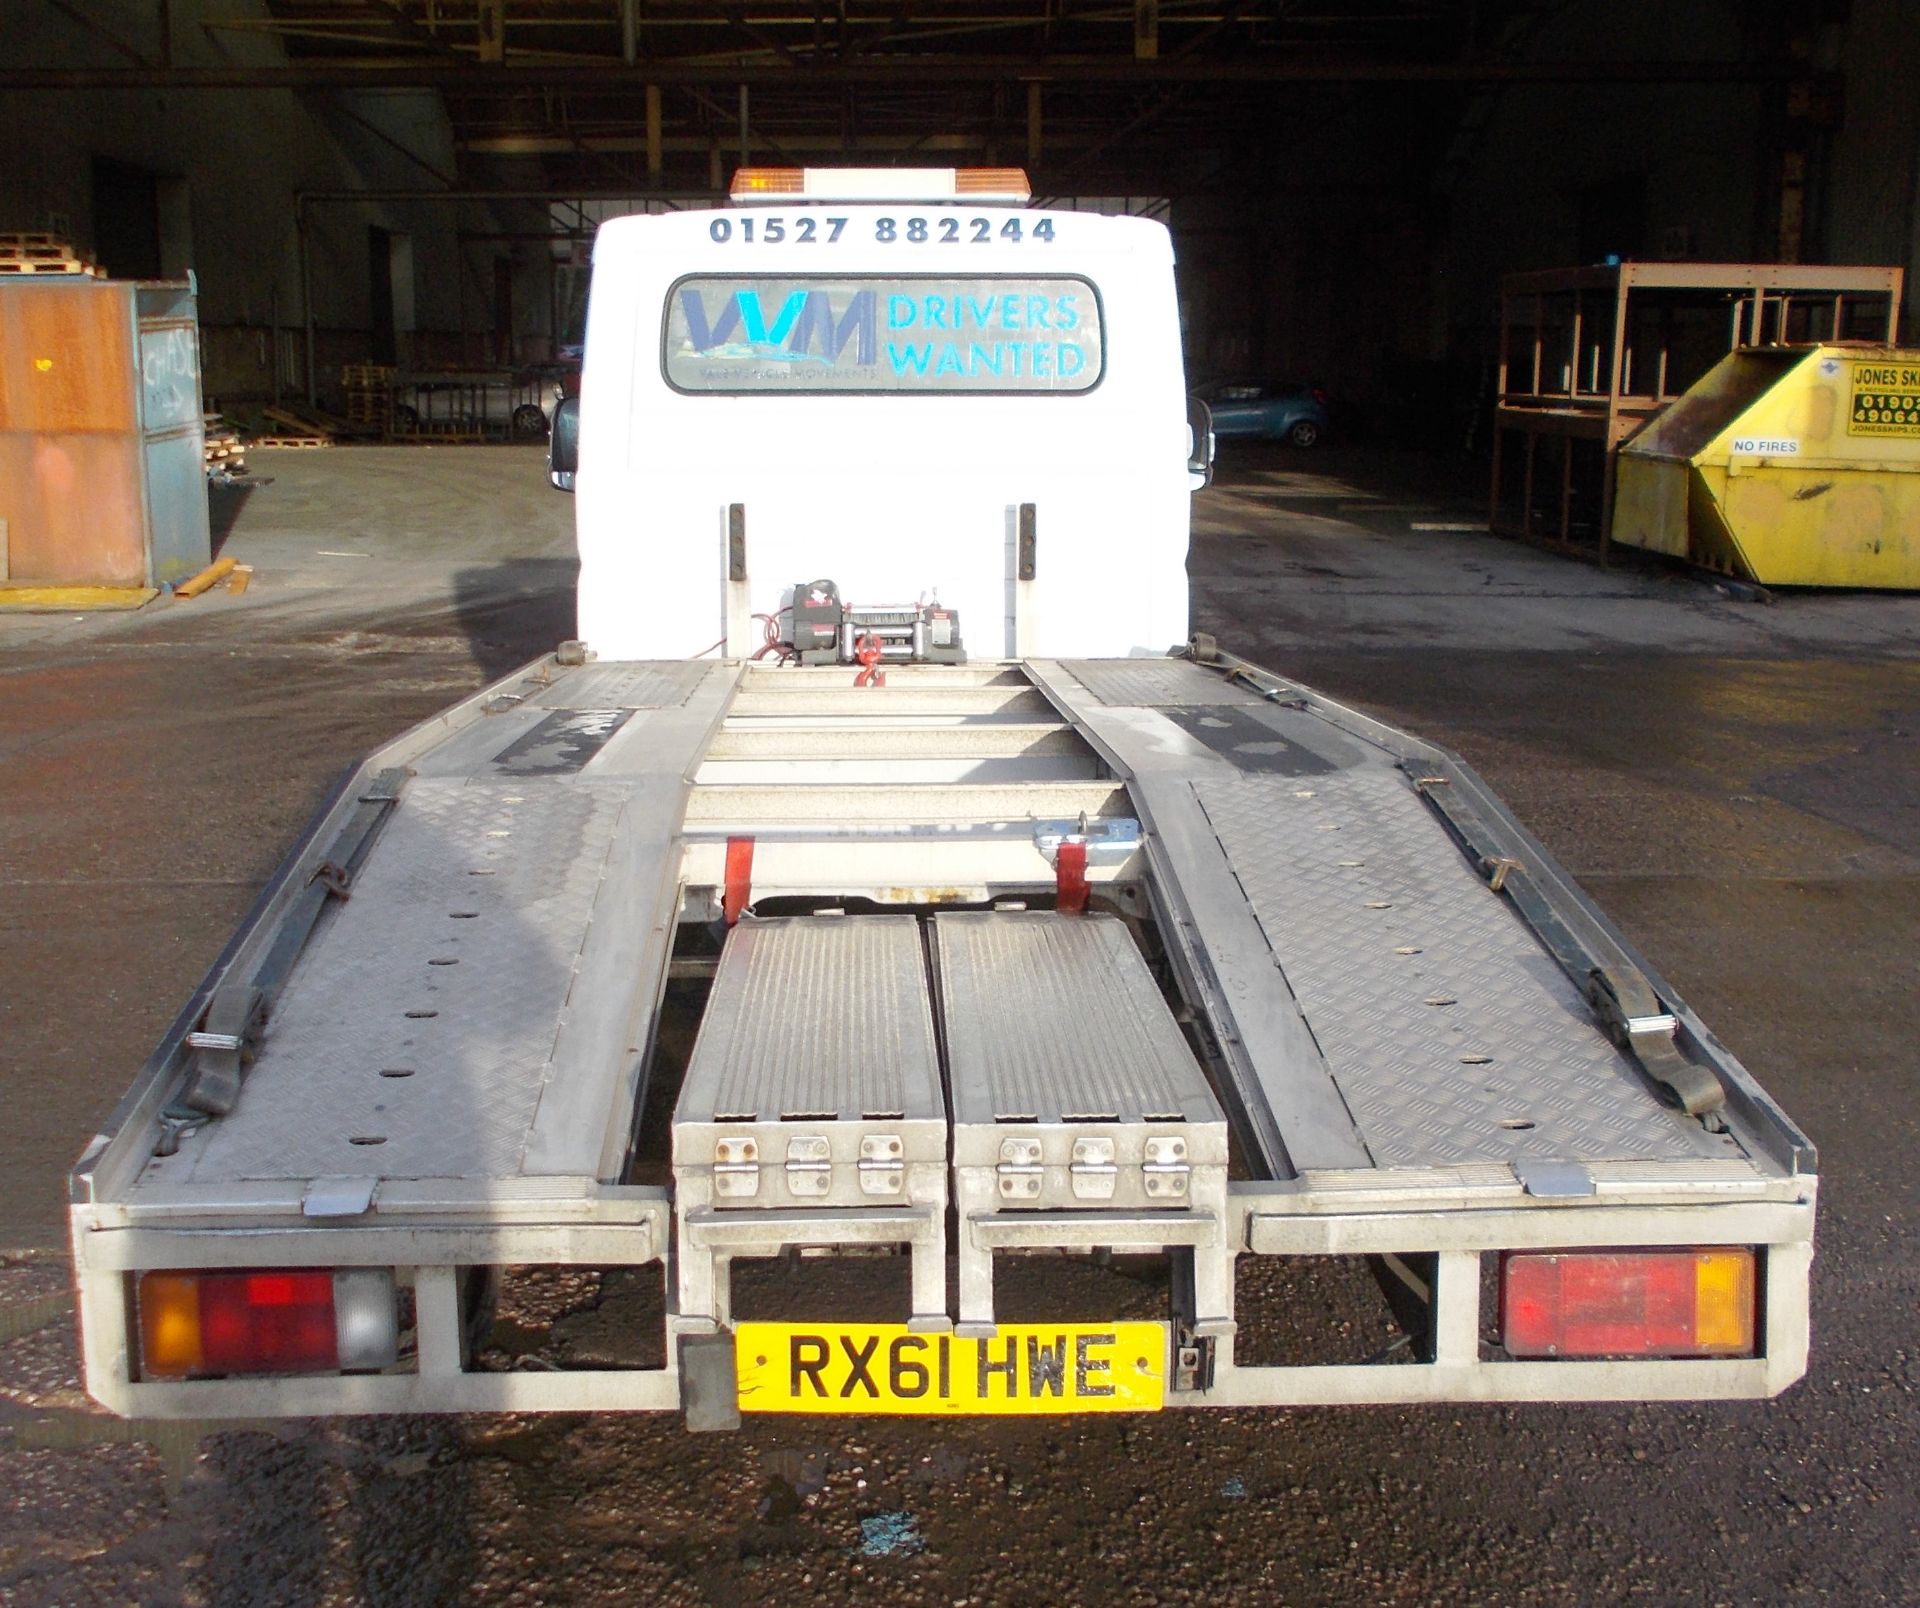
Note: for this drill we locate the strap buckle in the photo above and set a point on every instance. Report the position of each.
(335, 878)
(1631, 1013)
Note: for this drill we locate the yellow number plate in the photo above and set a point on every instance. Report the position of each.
(882, 1368)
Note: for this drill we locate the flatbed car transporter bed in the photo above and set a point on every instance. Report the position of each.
(1170, 956)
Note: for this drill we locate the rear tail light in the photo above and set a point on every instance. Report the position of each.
(1691, 1303)
(267, 1321)
(1320, 396)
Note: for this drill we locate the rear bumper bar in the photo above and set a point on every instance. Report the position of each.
(1457, 1242)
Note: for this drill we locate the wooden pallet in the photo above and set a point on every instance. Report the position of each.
(302, 420)
(369, 389)
(224, 448)
(36, 252)
(301, 441)
(71, 267)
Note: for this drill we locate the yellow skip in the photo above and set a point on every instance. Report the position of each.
(1786, 465)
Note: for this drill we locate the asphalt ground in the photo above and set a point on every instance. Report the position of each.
(1737, 783)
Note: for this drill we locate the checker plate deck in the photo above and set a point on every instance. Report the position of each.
(415, 1034)
(1473, 1047)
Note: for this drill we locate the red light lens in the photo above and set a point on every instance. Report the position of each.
(1690, 1303)
(238, 1323)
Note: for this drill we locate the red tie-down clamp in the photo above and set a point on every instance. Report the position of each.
(867, 651)
(737, 891)
(1072, 846)
(1070, 876)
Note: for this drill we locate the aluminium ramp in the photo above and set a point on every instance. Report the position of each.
(1080, 1116)
(468, 1023)
(1380, 1007)
(812, 1110)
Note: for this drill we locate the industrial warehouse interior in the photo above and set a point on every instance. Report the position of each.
(959, 801)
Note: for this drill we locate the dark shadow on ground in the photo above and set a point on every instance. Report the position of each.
(226, 501)
(514, 611)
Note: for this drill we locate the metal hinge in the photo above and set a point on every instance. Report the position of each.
(809, 1165)
(736, 1168)
(1165, 1170)
(1020, 1173)
(882, 1169)
(1093, 1170)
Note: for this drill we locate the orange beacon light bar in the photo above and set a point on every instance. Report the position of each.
(1008, 186)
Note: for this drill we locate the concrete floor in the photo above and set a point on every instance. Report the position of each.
(1735, 782)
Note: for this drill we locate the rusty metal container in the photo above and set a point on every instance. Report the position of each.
(102, 474)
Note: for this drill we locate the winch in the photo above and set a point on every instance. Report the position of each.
(826, 630)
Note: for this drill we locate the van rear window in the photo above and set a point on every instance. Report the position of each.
(897, 334)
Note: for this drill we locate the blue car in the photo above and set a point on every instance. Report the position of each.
(1296, 414)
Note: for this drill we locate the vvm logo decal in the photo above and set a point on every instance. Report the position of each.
(915, 335)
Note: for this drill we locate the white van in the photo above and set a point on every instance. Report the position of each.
(871, 390)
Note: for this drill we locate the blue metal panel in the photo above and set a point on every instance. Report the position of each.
(179, 540)
(173, 440)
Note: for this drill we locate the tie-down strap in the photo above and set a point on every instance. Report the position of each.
(1626, 1004)
(223, 1046)
(1636, 1020)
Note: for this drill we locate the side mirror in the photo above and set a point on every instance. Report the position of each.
(563, 444)
(1199, 444)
